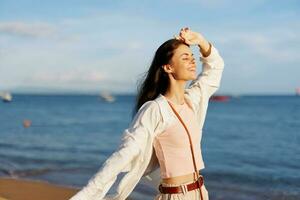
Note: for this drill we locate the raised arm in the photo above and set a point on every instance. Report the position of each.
(208, 81)
(133, 141)
(210, 77)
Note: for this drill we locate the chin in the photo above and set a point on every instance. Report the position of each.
(191, 77)
(194, 78)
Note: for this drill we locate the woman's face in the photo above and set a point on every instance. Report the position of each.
(183, 64)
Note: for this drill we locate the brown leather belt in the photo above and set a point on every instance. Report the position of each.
(179, 189)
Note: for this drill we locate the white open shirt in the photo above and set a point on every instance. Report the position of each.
(136, 156)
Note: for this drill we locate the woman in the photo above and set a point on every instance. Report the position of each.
(165, 134)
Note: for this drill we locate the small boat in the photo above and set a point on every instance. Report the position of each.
(107, 97)
(298, 91)
(6, 97)
(219, 98)
(27, 123)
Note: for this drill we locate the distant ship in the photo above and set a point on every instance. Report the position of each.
(221, 98)
(6, 97)
(107, 97)
(298, 91)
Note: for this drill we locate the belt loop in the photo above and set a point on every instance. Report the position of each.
(195, 175)
(184, 188)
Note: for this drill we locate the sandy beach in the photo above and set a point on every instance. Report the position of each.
(17, 189)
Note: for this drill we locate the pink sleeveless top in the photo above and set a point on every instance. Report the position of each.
(172, 146)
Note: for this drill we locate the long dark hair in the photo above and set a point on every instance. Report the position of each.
(156, 80)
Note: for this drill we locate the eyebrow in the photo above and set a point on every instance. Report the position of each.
(185, 54)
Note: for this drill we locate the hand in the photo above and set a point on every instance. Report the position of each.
(189, 37)
(193, 38)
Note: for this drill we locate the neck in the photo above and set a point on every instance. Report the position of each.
(175, 93)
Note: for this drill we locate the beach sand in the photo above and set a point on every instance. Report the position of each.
(17, 189)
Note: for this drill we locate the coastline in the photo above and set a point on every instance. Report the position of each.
(23, 189)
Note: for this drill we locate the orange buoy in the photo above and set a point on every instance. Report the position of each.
(27, 123)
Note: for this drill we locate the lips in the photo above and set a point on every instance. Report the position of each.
(192, 69)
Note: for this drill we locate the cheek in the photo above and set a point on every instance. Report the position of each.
(181, 68)
(182, 65)
(183, 73)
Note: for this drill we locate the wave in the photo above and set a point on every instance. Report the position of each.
(25, 173)
(40, 149)
(18, 173)
(240, 178)
(248, 184)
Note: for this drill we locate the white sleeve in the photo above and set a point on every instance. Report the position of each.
(208, 81)
(133, 140)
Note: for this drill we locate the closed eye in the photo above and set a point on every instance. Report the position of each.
(188, 58)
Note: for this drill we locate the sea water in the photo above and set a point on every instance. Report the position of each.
(250, 144)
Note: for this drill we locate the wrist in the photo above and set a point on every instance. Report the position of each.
(201, 41)
(205, 51)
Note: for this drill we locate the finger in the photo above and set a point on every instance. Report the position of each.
(176, 37)
(180, 35)
(184, 31)
(181, 39)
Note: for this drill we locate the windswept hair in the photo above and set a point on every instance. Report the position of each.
(156, 80)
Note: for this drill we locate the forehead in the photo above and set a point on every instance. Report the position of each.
(181, 50)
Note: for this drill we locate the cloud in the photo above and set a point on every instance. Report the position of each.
(214, 4)
(33, 29)
(272, 45)
(77, 80)
(68, 77)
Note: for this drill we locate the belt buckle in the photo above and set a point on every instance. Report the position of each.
(160, 188)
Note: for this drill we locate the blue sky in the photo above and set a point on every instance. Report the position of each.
(91, 46)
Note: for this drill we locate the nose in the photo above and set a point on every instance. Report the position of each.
(193, 61)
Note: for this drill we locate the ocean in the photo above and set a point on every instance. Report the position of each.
(250, 144)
